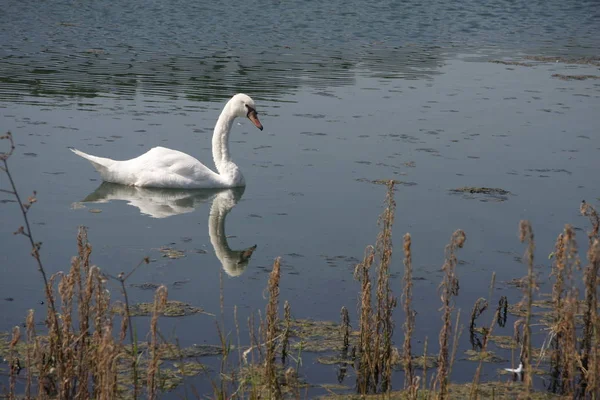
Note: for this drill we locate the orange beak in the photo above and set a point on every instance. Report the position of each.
(254, 118)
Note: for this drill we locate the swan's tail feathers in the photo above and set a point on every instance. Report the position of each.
(101, 164)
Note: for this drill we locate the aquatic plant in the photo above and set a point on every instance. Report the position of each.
(410, 381)
(374, 369)
(449, 288)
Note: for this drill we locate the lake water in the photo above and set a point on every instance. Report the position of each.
(348, 92)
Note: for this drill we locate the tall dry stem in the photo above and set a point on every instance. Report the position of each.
(24, 207)
(386, 302)
(448, 289)
(15, 363)
(271, 329)
(409, 315)
(526, 235)
(285, 343)
(591, 323)
(160, 301)
(589, 343)
(487, 333)
(365, 364)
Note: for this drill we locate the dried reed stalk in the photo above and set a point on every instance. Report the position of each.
(386, 302)
(271, 327)
(24, 207)
(160, 301)
(479, 307)
(409, 323)
(448, 289)
(564, 300)
(345, 328)
(30, 327)
(526, 235)
(285, 343)
(425, 363)
(475, 385)
(590, 340)
(14, 363)
(366, 366)
(591, 328)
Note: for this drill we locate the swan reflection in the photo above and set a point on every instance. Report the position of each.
(163, 203)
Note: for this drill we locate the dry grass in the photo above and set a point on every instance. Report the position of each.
(271, 330)
(374, 371)
(590, 352)
(526, 235)
(448, 289)
(410, 381)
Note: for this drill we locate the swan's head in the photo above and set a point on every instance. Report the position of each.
(243, 106)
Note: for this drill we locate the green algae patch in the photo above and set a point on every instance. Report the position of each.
(484, 193)
(480, 190)
(422, 362)
(170, 351)
(253, 380)
(168, 377)
(171, 253)
(173, 308)
(587, 60)
(575, 77)
(332, 360)
(544, 309)
(517, 63)
(319, 336)
(485, 356)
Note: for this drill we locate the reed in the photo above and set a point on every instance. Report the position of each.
(526, 235)
(487, 333)
(386, 302)
(590, 338)
(365, 370)
(160, 301)
(448, 288)
(285, 342)
(271, 330)
(374, 369)
(345, 329)
(409, 319)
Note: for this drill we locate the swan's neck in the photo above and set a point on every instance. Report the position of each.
(220, 142)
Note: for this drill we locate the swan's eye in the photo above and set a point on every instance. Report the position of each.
(250, 110)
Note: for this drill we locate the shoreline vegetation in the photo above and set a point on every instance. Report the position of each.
(88, 347)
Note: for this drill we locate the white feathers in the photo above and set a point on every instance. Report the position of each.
(165, 168)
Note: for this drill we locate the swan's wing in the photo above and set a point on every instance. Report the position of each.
(166, 168)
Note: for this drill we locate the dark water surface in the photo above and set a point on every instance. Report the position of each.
(348, 92)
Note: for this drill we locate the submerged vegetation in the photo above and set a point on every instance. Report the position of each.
(90, 349)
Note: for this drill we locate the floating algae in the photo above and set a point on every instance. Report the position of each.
(172, 309)
(485, 356)
(319, 336)
(493, 194)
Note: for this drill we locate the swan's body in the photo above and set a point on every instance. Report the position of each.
(165, 168)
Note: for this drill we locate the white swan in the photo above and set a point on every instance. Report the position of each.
(165, 168)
